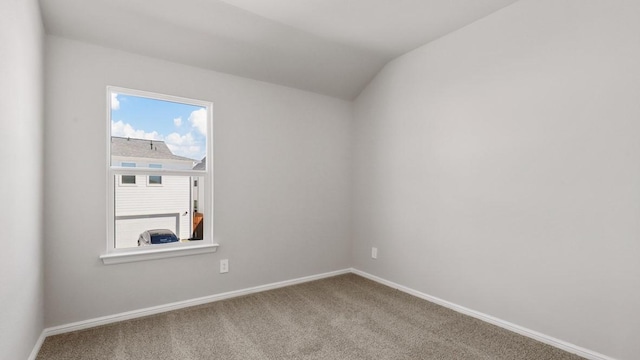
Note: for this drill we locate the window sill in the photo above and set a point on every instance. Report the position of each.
(119, 258)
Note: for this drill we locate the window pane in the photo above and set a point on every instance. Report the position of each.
(128, 179)
(155, 179)
(173, 208)
(166, 134)
(166, 139)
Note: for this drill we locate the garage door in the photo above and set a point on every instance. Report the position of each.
(129, 228)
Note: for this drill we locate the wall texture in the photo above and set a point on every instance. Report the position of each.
(281, 184)
(497, 168)
(21, 76)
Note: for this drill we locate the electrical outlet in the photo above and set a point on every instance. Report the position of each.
(374, 253)
(224, 266)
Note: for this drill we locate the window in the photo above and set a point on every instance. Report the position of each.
(165, 139)
(155, 179)
(127, 179)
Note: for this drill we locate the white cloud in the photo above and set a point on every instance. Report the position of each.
(122, 129)
(177, 122)
(184, 145)
(181, 145)
(198, 120)
(115, 103)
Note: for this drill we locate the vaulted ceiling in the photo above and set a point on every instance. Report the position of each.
(331, 47)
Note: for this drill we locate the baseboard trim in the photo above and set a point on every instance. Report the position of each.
(104, 320)
(37, 346)
(549, 340)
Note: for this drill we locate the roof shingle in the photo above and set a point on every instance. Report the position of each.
(140, 148)
(202, 165)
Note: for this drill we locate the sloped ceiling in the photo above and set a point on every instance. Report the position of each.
(331, 47)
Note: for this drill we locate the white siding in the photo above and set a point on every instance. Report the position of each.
(198, 193)
(144, 162)
(172, 197)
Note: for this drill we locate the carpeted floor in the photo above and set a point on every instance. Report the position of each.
(344, 317)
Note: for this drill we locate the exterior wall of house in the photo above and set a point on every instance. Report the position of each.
(145, 162)
(145, 206)
(21, 183)
(198, 206)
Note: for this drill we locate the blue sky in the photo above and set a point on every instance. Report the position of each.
(182, 127)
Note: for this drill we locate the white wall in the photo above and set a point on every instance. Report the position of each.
(281, 184)
(21, 78)
(498, 168)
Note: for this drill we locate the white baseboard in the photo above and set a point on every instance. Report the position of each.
(568, 347)
(85, 324)
(37, 346)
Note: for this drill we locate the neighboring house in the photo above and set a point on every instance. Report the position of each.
(202, 165)
(198, 192)
(198, 198)
(144, 202)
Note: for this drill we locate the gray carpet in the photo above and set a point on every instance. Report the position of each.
(344, 317)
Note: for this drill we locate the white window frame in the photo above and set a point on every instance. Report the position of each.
(135, 178)
(154, 166)
(114, 255)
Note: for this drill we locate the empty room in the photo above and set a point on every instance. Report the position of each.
(320, 179)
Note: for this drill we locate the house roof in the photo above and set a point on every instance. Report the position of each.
(141, 148)
(202, 165)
